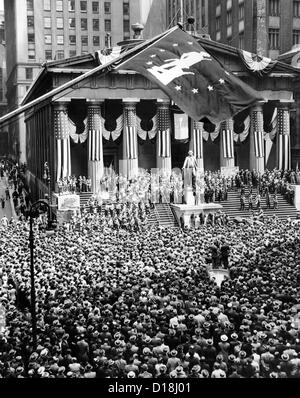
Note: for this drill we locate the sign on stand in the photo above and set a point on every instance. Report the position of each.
(68, 202)
(229, 171)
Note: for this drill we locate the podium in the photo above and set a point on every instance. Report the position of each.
(189, 196)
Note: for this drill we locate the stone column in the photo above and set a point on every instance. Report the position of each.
(283, 138)
(226, 144)
(196, 143)
(257, 158)
(163, 140)
(130, 141)
(95, 145)
(62, 135)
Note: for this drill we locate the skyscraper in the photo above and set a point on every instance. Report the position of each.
(266, 27)
(42, 30)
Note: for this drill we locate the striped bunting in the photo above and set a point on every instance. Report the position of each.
(95, 145)
(63, 150)
(164, 143)
(198, 143)
(284, 149)
(258, 123)
(131, 142)
(227, 137)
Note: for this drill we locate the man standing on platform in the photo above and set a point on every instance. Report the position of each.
(191, 164)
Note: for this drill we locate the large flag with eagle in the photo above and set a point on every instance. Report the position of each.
(192, 78)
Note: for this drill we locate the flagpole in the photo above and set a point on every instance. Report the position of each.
(82, 77)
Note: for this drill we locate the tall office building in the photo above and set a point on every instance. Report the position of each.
(180, 10)
(3, 101)
(42, 30)
(266, 27)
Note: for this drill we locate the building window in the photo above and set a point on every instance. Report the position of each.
(242, 40)
(48, 54)
(72, 23)
(83, 6)
(71, 5)
(296, 37)
(48, 39)
(274, 39)
(95, 24)
(229, 17)
(29, 73)
(107, 41)
(107, 25)
(84, 40)
(47, 5)
(59, 5)
(296, 8)
(30, 21)
(274, 8)
(95, 7)
(107, 7)
(47, 23)
(241, 11)
(31, 38)
(96, 41)
(72, 53)
(218, 23)
(83, 24)
(126, 8)
(31, 53)
(60, 54)
(59, 23)
(72, 39)
(126, 26)
(60, 39)
(30, 5)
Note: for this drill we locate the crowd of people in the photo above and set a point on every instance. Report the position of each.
(140, 304)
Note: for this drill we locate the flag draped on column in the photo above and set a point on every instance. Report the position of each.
(130, 139)
(95, 145)
(197, 139)
(63, 151)
(227, 139)
(284, 139)
(164, 139)
(258, 127)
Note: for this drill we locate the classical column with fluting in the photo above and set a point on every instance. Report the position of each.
(163, 141)
(62, 135)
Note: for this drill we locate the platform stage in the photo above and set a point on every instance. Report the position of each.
(189, 214)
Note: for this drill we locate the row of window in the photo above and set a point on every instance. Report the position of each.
(274, 8)
(72, 40)
(274, 38)
(72, 23)
(82, 4)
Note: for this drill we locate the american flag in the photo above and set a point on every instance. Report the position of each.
(164, 136)
(284, 158)
(257, 120)
(61, 131)
(95, 134)
(131, 132)
(197, 139)
(227, 139)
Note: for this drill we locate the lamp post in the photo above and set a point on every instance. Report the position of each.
(36, 209)
(47, 180)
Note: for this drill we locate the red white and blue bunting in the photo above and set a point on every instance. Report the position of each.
(257, 64)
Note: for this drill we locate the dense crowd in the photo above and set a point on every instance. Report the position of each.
(141, 304)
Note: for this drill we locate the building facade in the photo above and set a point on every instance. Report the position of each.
(129, 113)
(180, 10)
(266, 27)
(47, 30)
(3, 100)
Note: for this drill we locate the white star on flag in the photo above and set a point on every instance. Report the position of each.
(190, 43)
(153, 56)
(178, 88)
(149, 63)
(227, 73)
(210, 88)
(175, 45)
(222, 81)
(195, 90)
(162, 50)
